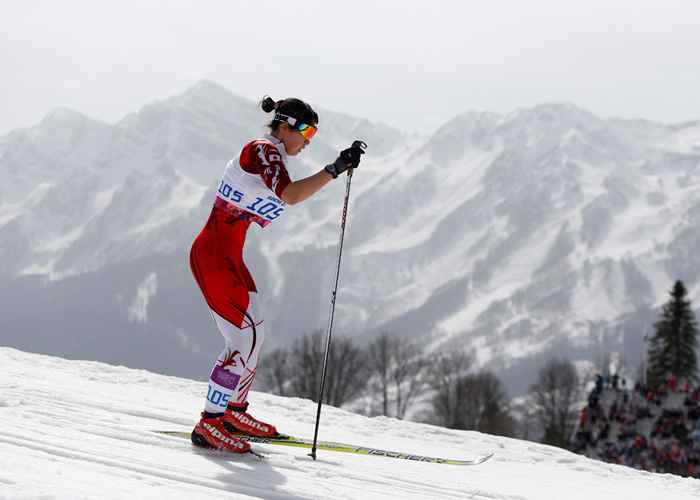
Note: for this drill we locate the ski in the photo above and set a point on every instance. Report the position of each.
(345, 448)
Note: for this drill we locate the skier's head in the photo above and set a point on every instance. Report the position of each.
(293, 111)
(294, 123)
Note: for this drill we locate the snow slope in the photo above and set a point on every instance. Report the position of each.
(79, 429)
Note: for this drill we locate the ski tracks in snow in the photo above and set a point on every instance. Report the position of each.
(81, 430)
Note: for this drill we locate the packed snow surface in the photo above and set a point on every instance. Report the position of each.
(81, 429)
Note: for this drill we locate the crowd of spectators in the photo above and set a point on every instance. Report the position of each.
(673, 443)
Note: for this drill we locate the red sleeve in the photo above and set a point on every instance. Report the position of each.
(264, 159)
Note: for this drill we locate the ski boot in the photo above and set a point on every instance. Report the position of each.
(210, 432)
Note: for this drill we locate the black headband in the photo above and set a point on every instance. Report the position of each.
(279, 117)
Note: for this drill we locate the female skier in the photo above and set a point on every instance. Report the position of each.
(255, 187)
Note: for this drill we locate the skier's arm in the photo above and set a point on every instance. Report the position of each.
(303, 189)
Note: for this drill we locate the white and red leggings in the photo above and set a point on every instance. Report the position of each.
(228, 288)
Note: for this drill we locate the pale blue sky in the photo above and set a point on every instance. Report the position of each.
(412, 65)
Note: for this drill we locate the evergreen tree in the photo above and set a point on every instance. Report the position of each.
(675, 342)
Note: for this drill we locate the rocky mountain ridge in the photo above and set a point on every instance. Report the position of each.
(514, 237)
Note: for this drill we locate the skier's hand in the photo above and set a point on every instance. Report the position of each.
(348, 158)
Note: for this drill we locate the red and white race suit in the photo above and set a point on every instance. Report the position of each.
(250, 191)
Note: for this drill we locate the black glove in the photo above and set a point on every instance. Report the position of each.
(348, 158)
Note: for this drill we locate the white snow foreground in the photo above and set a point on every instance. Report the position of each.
(79, 429)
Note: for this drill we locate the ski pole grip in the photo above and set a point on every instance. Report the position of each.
(357, 144)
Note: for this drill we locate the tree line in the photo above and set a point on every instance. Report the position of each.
(391, 376)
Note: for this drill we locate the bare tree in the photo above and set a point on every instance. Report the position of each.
(469, 401)
(305, 362)
(526, 420)
(447, 380)
(398, 367)
(380, 354)
(487, 407)
(277, 373)
(345, 373)
(555, 396)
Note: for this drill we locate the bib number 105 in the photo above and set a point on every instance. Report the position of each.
(260, 206)
(265, 209)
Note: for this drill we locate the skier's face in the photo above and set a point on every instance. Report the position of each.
(293, 140)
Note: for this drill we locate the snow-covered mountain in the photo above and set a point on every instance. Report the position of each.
(515, 237)
(80, 430)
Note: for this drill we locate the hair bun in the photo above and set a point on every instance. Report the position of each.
(268, 104)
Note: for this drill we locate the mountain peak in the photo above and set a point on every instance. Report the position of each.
(206, 91)
(552, 112)
(65, 117)
(206, 87)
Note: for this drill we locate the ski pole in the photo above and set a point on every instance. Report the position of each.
(333, 295)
